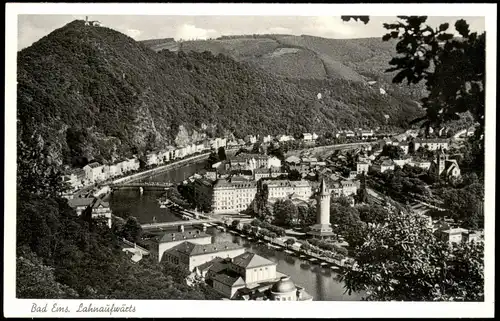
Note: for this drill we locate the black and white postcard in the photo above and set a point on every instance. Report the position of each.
(176, 160)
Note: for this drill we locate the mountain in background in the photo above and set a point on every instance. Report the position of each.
(304, 57)
(94, 92)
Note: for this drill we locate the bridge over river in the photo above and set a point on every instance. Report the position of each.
(152, 226)
(142, 185)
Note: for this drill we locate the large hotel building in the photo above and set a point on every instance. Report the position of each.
(236, 195)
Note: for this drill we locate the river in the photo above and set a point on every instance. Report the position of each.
(319, 282)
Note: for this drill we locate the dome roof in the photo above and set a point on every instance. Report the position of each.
(284, 285)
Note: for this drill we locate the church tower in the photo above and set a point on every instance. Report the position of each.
(441, 162)
(322, 228)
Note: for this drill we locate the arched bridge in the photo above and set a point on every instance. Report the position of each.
(151, 226)
(143, 185)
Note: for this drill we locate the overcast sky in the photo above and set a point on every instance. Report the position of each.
(141, 27)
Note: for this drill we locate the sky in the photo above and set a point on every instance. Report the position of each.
(141, 27)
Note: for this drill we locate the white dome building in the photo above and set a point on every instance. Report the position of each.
(284, 290)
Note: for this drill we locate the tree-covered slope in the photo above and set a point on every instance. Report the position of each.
(94, 92)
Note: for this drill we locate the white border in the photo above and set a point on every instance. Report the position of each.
(20, 307)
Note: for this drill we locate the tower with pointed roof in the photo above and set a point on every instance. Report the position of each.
(322, 228)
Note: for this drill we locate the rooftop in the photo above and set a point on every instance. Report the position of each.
(229, 278)
(179, 236)
(94, 165)
(251, 260)
(78, 202)
(286, 183)
(193, 249)
(222, 183)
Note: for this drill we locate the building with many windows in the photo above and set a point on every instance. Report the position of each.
(249, 276)
(431, 144)
(170, 240)
(232, 195)
(189, 255)
(286, 188)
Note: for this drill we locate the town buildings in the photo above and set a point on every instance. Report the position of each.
(383, 165)
(94, 172)
(288, 189)
(457, 235)
(170, 240)
(233, 195)
(189, 255)
(252, 162)
(362, 167)
(344, 187)
(431, 144)
(249, 276)
(272, 172)
(99, 208)
(444, 168)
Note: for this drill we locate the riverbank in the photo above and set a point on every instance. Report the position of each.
(160, 169)
(277, 244)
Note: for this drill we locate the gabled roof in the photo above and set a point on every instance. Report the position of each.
(387, 162)
(230, 279)
(79, 202)
(100, 202)
(250, 260)
(216, 265)
(179, 236)
(192, 249)
(94, 165)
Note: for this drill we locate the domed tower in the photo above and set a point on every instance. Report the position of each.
(322, 228)
(284, 290)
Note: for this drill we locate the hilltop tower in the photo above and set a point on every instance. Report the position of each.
(322, 228)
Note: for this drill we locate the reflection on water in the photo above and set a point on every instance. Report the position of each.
(129, 202)
(320, 282)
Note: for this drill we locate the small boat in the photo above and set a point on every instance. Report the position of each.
(288, 251)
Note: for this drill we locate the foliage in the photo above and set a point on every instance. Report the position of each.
(117, 94)
(403, 260)
(132, 230)
(466, 204)
(392, 151)
(279, 231)
(372, 213)
(285, 212)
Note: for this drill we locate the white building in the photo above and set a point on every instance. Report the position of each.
(285, 189)
(233, 196)
(344, 188)
(431, 144)
(169, 240)
(285, 138)
(267, 139)
(94, 172)
(362, 167)
(420, 163)
(152, 159)
(307, 136)
(189, 255)
(387, 165)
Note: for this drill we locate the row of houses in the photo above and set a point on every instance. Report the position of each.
(95, 172)
(441, 167)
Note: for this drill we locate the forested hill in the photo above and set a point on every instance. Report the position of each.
(94, 92)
